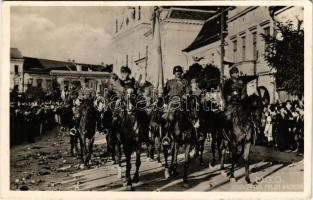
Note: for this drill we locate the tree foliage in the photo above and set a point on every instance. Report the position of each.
(208, 77)
(285, 53)
(53, 92)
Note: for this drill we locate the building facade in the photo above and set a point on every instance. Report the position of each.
(244, 45)
(133, 38)
(28, 72)
(16, 70)
(247, 47)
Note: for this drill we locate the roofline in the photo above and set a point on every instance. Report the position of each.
(190, 9)
(282, 10)
(243, 12)
(60, 61)
(79, 73)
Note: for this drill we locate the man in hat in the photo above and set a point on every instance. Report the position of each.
(234, 92)
(175, 91)
(177, 87)
(126, 80)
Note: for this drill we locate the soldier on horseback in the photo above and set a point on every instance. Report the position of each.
(234, 92)
(126, 80)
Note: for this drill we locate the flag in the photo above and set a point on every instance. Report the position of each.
(156, 51)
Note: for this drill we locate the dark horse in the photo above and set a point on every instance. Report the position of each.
(155, 127)
(131, 131)
(181, 133)
(89, 120)
(240, 130)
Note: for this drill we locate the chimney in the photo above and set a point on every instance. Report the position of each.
(78, 67)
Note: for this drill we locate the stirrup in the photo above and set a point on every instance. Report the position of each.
(166, 141)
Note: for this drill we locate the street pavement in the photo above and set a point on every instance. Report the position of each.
(47, 165)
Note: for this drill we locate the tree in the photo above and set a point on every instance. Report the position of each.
(207, 77)
(285, 53)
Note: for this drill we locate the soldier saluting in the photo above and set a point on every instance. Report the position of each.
(127, 81)
(234, 92)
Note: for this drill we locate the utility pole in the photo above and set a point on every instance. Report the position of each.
(222, 52)
(222, 45)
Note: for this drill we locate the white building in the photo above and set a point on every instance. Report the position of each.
(247, 47)
(133, 37)
(244, 44)
(16, 70)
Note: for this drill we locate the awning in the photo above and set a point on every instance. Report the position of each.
(209, 33)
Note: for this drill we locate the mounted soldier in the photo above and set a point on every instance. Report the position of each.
(177, 86)
(234, 92)
(126, 80)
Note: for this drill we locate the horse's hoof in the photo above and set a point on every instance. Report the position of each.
(136, 179)
(213, 163)
(248, 181)
(232, 180)
(210, 165)
(166, 173)
(129, 188)
(192, 153)
(186, 185)
(82, 166)
(174, 174)
(223, 173)
(119, 172)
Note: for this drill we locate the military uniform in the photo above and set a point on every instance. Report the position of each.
(234, 92)
(129, 83)
(176, 87)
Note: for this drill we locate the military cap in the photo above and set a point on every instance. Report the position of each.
(125, 69)
(233, 70)
(177, 69)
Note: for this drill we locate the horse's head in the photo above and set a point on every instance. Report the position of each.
(129, 101)
(255, 107)
(193, 109)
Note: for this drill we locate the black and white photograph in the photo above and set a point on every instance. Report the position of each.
(157, 97)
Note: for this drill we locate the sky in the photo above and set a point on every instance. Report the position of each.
(82, 34)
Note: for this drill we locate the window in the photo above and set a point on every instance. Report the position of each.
(127, 60)
(254, 42)
(267, 33)
(139, 12)
(39, 82)
(235, 50)
(243, 39)
(30, 81)
(116, 26)
(49, 83)
(16, 69)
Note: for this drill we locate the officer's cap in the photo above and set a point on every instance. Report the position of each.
(233, 70)
(177, 69)
(125, 69)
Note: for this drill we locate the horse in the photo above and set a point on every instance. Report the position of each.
(155, 129)
(211, 121)
(197, 115)
(106, 117)
(132, 133)
(66, 115)
(180, 131)
(239, 132)
(89, 120)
